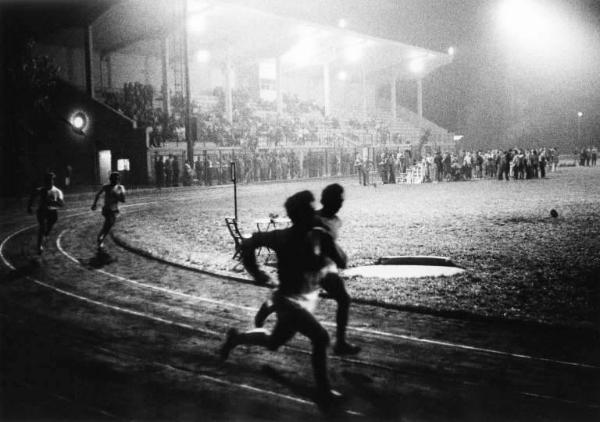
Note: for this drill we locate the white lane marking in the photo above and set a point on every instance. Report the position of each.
(152, 318)
(150, 286)
(143, 315)
(473, 348)
(330, 324)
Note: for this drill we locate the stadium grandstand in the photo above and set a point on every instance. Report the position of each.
(206, 82)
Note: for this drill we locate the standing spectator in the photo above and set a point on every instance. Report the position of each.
(159, 170)
(168, 169)
(358, 165)
(594, 156)
(175, 167)
(438, 166)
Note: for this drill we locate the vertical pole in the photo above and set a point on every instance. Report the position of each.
(234, 180)
(278, 87)
(228, 89)
(326, 89)
(420, 97)
(364, 92)
(165, 74)
(89, 71)
(188, 132)
(393, 98)
(109, 81)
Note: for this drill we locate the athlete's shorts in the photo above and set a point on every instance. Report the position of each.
(107, 212)
(47, 216)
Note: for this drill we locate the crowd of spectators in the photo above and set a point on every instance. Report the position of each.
(510, 164)
(588, 156)
(255, 121)
(213, 167)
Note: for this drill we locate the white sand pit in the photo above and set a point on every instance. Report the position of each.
(407, 271)
(407, 267)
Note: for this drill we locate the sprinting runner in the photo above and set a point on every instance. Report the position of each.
(300, 251)
(113, 194)
(332, 199)
(50, 198)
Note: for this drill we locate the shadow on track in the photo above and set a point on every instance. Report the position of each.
(99, 260)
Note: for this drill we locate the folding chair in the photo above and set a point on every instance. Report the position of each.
(234, 230)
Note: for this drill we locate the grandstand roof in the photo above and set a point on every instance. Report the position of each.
(244, 33)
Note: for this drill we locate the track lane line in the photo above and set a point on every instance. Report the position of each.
(156, 319)
(367, 331)
(330, 324)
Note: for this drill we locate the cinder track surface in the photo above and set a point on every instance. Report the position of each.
(132, 338)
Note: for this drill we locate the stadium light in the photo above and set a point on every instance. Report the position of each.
(342, 23)
(537, 29)
(196, 23)
(416, 66)
(579, 114)
(303, 51)
(79, 121)
(202, 56)
(342, 75)
(353, 53)
(451, 51)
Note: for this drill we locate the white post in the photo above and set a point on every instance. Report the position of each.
(393, 98)
(228, 90)
(326, 89)
(165, 74)
(420, 97)
(278, 86)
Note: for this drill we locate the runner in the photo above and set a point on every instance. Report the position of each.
(50, 199)
(113, 194)
(300, 252)
(332, 199)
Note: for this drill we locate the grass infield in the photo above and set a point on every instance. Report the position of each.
(521, 262)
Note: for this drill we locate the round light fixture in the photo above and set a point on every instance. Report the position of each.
(79, 121)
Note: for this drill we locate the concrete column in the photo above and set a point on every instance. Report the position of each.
(88, 51)
(420, 97)
(363, 78)
(108, 60)
(278, 86)
(186, 74)
(326, 89)
(165, 74)
(228, 89)
(393, 106)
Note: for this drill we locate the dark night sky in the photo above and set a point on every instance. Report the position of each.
(485, 90)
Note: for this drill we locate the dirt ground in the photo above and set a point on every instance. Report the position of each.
(120, 336)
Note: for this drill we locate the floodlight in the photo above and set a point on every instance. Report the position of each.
(416, 66)
(579, 113)
(342, 75)
(196, 23)
(79, 121)
(451, 51)
(342, 23)
(303, 51)
(353, 53)
(202, 56)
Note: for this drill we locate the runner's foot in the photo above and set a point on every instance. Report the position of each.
(228, 345)
(346, 349)
(261, 315)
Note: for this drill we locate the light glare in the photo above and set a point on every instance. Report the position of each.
(203, 56)
(342, 23)
(342, 75)
(196, 23)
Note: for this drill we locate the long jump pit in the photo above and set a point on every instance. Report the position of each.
(406, 267)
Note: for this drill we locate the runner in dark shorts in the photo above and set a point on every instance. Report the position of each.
(113, 194)
(300, 252)
(50, 198)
